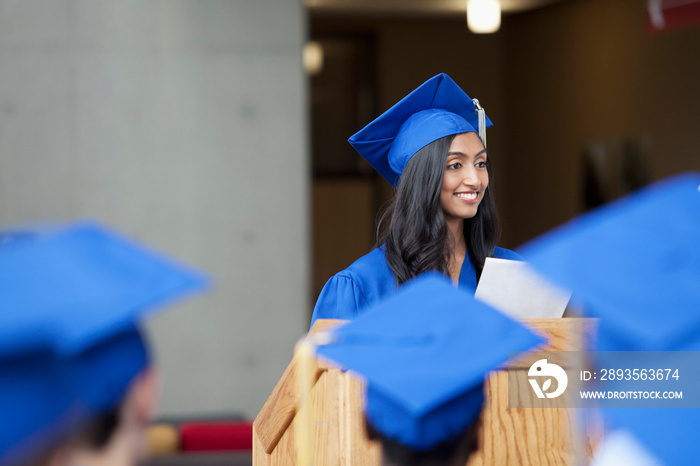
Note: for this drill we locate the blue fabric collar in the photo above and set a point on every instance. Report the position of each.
(467, 276)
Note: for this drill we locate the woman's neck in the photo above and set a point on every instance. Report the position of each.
(457, 251)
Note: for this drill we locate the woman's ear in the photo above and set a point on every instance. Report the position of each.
(144, 395)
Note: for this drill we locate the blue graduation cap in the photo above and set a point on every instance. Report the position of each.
(437, 108)
(11, 237)
(69, 341)
(670, 434)
(424, 353)
(635, 265)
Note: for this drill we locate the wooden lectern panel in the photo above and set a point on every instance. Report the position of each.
(522, 436)
(509, 436)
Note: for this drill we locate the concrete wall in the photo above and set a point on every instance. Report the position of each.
(182, 123)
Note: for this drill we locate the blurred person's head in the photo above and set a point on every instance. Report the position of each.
(77, 385)
(425, 354)
(454, 451)
(116, 434)
(634, 265)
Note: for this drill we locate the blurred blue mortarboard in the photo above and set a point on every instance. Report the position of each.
(13, 237)
(435, 109)
(635, 265)
(69, 342)
(670, 434)
(425, 353)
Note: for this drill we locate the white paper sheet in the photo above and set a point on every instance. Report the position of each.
(515, 289)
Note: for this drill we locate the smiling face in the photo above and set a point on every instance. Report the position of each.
(466, 177)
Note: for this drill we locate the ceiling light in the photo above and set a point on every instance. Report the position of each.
(483, 16)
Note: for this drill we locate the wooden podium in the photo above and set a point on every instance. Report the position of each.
(510, 436)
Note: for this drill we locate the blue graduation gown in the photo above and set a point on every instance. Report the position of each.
(370, 279)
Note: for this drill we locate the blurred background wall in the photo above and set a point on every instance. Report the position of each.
(192, 126)
(182, 123)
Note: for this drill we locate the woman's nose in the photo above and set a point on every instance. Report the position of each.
(470, 178)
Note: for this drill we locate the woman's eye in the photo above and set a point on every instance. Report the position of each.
(480, 164)
(454, 166)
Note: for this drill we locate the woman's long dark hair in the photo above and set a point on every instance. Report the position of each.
(413, 227)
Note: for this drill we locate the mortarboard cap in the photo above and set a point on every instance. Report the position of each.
(10, 238)
(437, 108)
(69, 342)
(634, 263)
(670, 434)
(424, 353)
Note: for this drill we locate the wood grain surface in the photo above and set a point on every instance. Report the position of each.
(509, 436)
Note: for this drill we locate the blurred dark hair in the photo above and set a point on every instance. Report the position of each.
(453, 451)
(133, 345)
(99, 431)
(413, 227)
(94, 436)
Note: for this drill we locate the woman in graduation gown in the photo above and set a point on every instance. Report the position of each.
(431, 147)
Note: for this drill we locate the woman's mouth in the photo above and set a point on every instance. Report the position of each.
(468, 196)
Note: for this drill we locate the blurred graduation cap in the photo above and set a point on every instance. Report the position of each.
(69, 339)
(668, 434)
(12, 237)
(437, 108)
(424, 353)
(635, 265)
